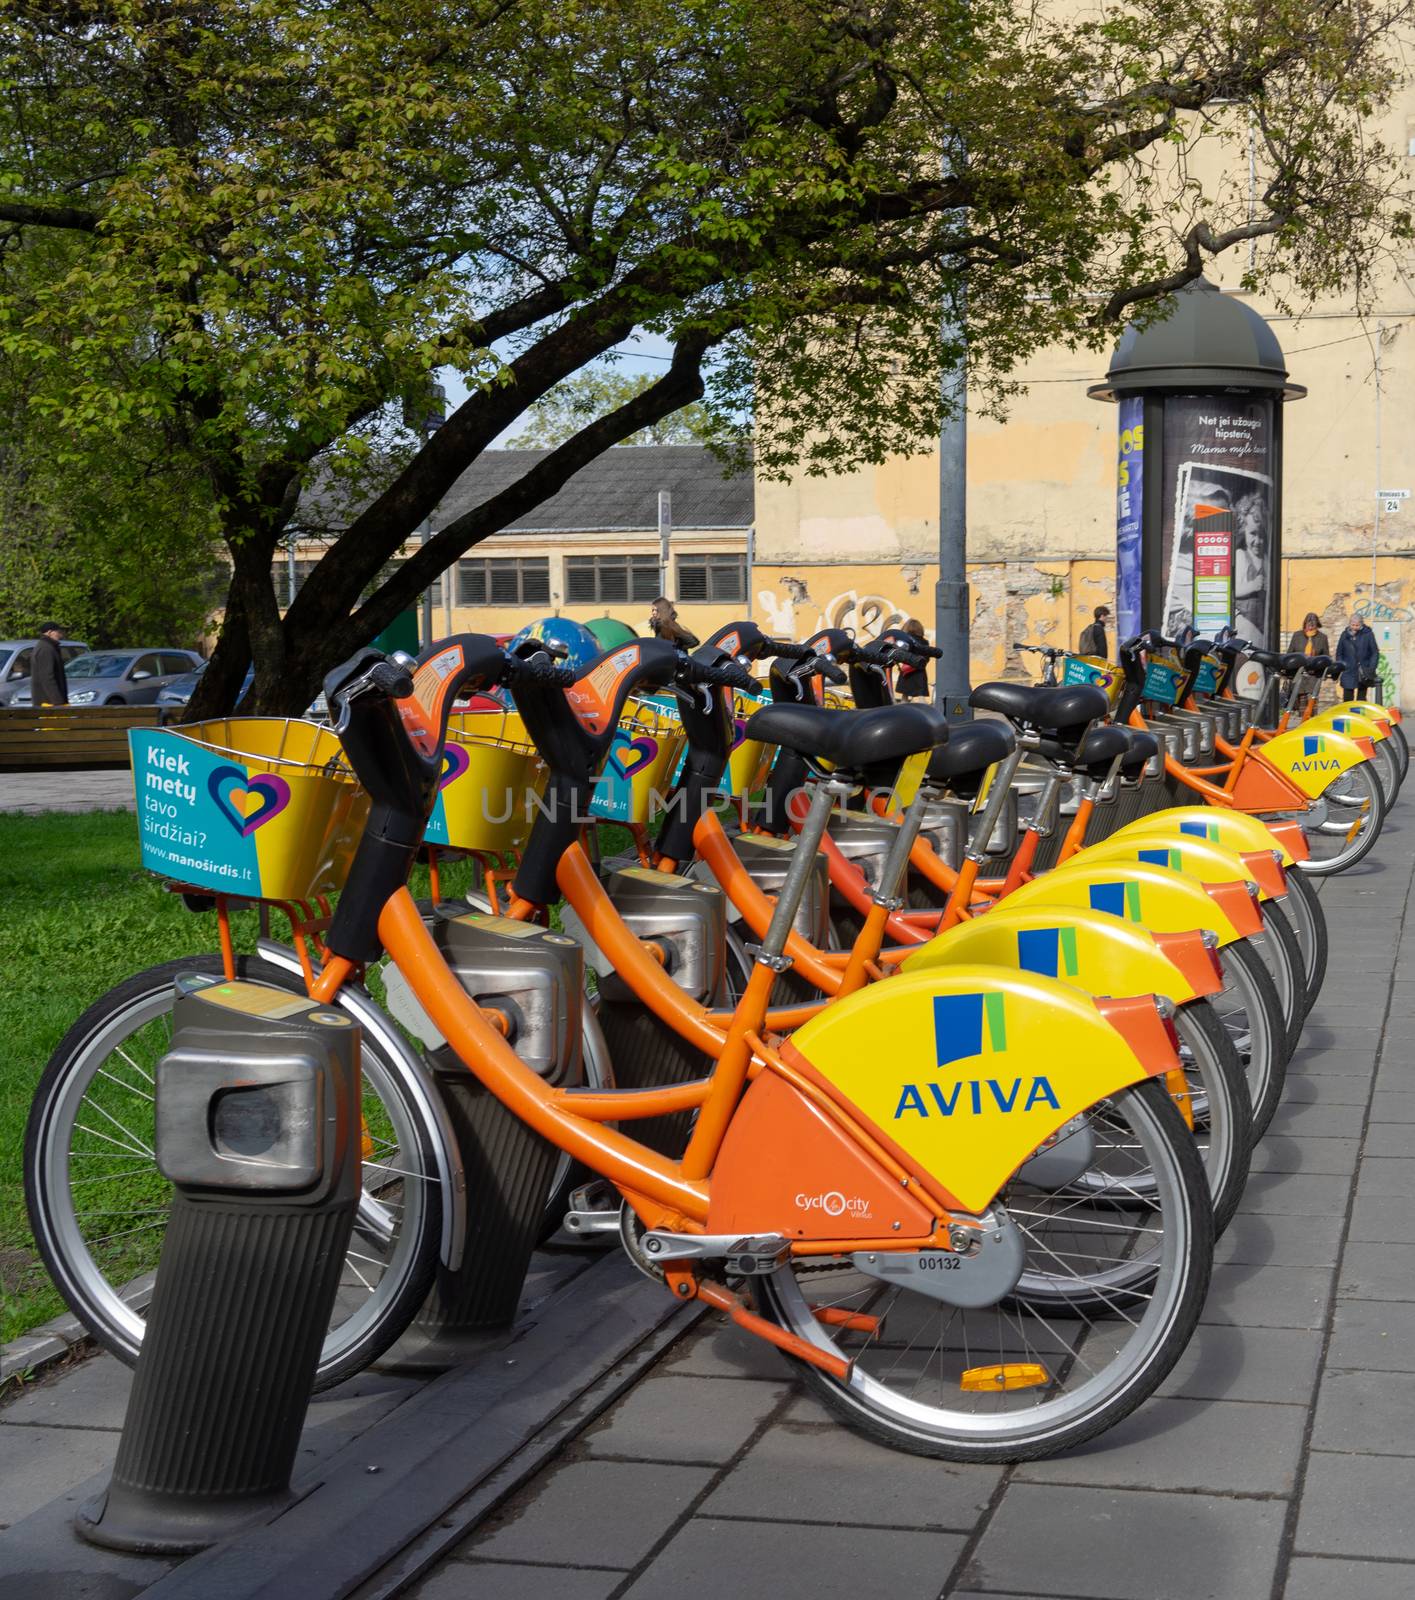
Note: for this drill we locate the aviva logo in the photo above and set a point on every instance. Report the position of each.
(1314, 755)
(1165, 857)
(970, 1025)
(1200, 830)
(959, 1020)
(1050, 951)
(1119, 899)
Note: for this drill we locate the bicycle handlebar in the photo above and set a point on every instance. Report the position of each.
(725, 674)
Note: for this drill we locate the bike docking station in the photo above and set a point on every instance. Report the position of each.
(532, 981)
(257, 1121)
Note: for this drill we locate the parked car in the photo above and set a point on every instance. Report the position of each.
(121, 677)
(180, 690)
(16, 658)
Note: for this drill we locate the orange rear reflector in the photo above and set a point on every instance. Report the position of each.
(1015, 1375)
(1178, 1086)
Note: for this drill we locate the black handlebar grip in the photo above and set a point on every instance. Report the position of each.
(726, 675)
(518, 670)
(391, 679)
(785, 650)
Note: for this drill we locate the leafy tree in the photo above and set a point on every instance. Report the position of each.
(561, 414)
(280, 217)
(113, 543)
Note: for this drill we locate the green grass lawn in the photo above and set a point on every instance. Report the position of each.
(77, 916)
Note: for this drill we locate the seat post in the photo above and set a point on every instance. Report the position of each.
(896, 863)
(771, 951)
(997, 799)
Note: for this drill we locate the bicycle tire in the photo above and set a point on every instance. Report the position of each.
(1370, 819)
(1282, 955)
(981, 1428)
(1249, 1010)
(1402, 748)
(1220, 1107)
(1309, 923)
(112, 1311)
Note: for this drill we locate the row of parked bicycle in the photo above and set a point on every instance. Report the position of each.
(936, 1057)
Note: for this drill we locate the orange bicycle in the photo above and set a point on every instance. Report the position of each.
(910, 1226)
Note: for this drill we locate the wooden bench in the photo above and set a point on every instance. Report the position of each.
(69, 736)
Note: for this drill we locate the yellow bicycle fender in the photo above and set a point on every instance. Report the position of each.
(1364, 708)
(1312, 760)
(983, 1065)
(1154, 897)
(1351, 723)
(1091, 951)
(1234, 830)
(1200, 859)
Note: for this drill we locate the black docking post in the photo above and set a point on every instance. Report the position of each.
(257, 1128)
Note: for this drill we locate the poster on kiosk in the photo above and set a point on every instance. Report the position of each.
(1218, 510)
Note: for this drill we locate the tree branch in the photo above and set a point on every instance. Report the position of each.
(681, 384)
(29, 215)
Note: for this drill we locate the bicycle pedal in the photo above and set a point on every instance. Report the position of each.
(594, 1208)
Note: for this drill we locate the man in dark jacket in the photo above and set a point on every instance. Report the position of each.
(1093, 638)
(48, 685)
(1359, 655)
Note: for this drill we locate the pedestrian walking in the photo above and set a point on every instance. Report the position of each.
(912, 682)
(1093, 641)
(48, 685)
(664, 624)
(1360, 656)
(1309, 639)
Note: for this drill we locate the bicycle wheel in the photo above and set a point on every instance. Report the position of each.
(1035, 1374)
(1221, 1111)
(1309, 924)
(98, 1204)
(1250, 1013)
(1344, 822)
(1402, 748)
(1387, 765)
(1277, 945)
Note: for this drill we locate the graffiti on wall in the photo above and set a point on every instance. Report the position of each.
(797, 615)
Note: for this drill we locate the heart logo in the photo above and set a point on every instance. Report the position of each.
(247, 803)
(455, 762)
(739, 731)
(634, 755)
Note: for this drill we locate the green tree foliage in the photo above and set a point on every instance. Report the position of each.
(110, 539)
(561, 414)
(278, 218)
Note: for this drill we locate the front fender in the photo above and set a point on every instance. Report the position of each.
(982, 1065)
(1207, 861)
(1312, 760)
(1087, 949)
(1364, 708)
(1356, 725)
(1156, 898)
(1234, 830)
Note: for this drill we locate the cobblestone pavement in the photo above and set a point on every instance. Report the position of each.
(1279, 1460)
(96, 789)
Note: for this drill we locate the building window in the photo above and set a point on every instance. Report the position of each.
(590, 580)
(504, 581)
(721, 579)
(283, 596)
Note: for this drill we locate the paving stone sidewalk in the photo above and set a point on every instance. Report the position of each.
(88, 789)
(1279, 1459)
